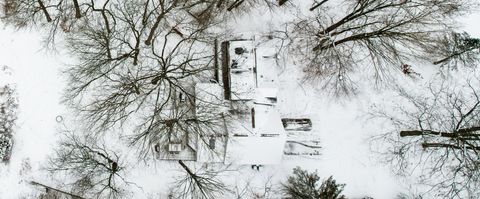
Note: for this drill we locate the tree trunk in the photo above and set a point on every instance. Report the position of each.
(215, 61)
(185, 167)
(235, 4)
(219, 3)
(193, 176)
(44, 10)
(145, 10)
(454, 55)
(157, 22)
(136, 51)
(78, 14)
(464, 132)
(410, 133)
(226, 70)
(445, 59)
(318, 5)
(148, 42)
(442, 145)
(281, 2)
(176, 31)
(467, 131)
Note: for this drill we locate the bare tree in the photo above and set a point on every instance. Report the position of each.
(158, 93)
(137, 60)
(318, 4)
(54, 16)
(437, 136)
(204, 182)
(248, 189)
(95, 171)
(67, 16)
(383, 34)
(457, 49)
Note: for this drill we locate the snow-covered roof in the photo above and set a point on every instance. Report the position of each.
(268, 120)
(209, 103)
(253, 72)
(248, 139)
(208, 98)
(212, 149)
(266, 72)
(242, 76)
(255, 150)
(264, 117)
(253, 79)
(266, 96)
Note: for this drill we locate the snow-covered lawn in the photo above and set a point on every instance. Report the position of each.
(38, 83)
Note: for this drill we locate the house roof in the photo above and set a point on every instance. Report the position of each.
(266, 96)
(266, 64)
(255, 150)
(209, 103)
(242, 76)
(263, 144)
(208, 98)
(265, 117)
(205, 153)
(256, 134)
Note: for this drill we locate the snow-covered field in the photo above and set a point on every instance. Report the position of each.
(339, 125)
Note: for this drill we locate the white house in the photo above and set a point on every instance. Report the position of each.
(249, 79)
(253, 133)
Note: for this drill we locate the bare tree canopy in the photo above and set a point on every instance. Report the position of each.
(457, 49)
(437, 135)
(383, 34)
(70, 15)
(137, 60)
(96, 172)
(203, 183)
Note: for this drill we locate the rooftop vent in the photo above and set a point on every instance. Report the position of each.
(234, 64)
(239, 50)
(211, 143)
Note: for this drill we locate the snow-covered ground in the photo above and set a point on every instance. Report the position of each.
(340, 125)
(38, 83)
